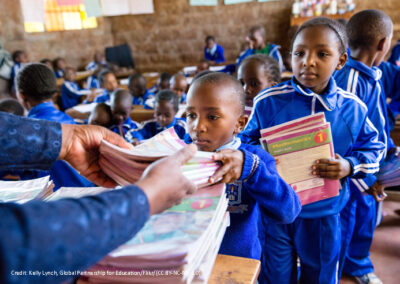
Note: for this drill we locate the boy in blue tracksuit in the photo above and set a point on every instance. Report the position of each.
(165, 108)
(71, 93)
(213, 51)
(319, 48)
(137, 87)
(394, 57)
(369, 33)
(109, 83)
(255, 190)
(257, 37)
(121, 108)
(179, 85)
(390, 82)
(37, 98)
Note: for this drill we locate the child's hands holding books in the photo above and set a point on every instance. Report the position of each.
(232, 166)
(336, 168)
(377, 190)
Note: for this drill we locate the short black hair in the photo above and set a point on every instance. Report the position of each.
(121, 95)
(16, 54)
(137, 77)
(103, 106)
(103, 74)
(45, 60)
(11, 106)
(164, 77)
(168, 96)
(37, 82)
(210, 37)
(269, 64)
(333, 25)
(223, 78)
(258, 28)
(366, 27)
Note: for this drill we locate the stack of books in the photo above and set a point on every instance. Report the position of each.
(296, 145)
(127, 166)
(22, 191)
(389, 174)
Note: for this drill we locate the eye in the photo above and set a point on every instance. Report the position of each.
(190, 115)
(213, 117)
(298, 53)
(323, 54)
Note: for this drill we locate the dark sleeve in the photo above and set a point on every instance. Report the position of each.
(69, 234)
(28, 143)
(220, 57)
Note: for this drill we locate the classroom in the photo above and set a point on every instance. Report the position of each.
(200, 141)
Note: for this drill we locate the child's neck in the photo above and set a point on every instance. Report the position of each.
(365, 56)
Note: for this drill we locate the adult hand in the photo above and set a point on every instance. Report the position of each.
(232, 166)
(80, 148)
(377, 190)
(164, 183)
(336, 168)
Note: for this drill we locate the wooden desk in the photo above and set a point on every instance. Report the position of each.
(232, 269)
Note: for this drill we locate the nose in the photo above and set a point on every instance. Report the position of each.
(309, 59)
(199, 125)
(246, 88)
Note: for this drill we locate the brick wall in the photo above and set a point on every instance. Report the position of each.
(170, 38)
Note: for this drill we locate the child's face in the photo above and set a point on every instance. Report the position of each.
(163, 85)
(164, 113)
(100, 117)
(179, 86)
(23, 58)
(110, 82)
(210, 43)
(257, 41)
(137, 88)
(253, 78)
(61, 64)
(213, 116)
(315, 56)
(70, 75)
(120, 110)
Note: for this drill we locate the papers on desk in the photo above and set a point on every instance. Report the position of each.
(177, 246)
(297, 144)
(84, 108)
(126, 166)
(22, 191)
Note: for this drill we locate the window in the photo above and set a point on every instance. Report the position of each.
(58, 18)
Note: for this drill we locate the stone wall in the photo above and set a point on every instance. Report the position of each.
(170, 38)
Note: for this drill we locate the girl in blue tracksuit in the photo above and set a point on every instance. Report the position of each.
(213, 51)
(319, 48)
(71, 93)
(254, 188)
(361, 78)
(165, 109)
(36, 85)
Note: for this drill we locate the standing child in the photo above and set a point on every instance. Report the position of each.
(121, 108)
(109, 83)
(256, 73)
(71, 93)
(137, 87)
(257, 37)
(370, 33)
(59, 66)
(101, 115)
(212, 51)
(318, 49)
(179, 85)
(254, 188)
(165, 109)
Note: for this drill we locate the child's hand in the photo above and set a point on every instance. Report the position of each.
(336, 168)
(91, 96)
(232, 166)
(377, 191)
(135, 142)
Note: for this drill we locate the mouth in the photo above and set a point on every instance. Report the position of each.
(201, 142)
(308, 75)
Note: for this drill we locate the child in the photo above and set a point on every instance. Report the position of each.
(179, 85)
(47, 62)
(12, 106)
(213, 51)
(162, 83)
(254, 188)
(370, 33)
(71, 93)
(101, 115)
(20, 58)
(165, 109)
(121, 108)
(98, 61)
(97, 65)
(36, 85)
(109, 83)
(257, 37)
(203, 66)
(256, 73)
(394, 57)
(59, 67)
(318, 49)
(137, 87)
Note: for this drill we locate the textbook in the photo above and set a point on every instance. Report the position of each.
(22, 191)
(179, 245)
(297, 144)
(127, 166)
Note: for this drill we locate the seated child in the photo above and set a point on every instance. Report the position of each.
(11, 106)
(204, 65)
(20, 58)
(137, 87)
(255, 190)
(98, 61)
(318, 50)
(394, 57)
(166, 107)
(121, 108)
(47, 62)
(71, 93)
(109, 83)
(257, 37)
(101, 115)
(213, 51)
(36, 85)
(97, 65)
(162, 83)
(179, 85)
(256, 73)
(59, 66)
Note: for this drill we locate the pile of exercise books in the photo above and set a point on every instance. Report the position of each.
(179, 245)
(296, 145)
(389, 174)
(127, 166)
(22, 191)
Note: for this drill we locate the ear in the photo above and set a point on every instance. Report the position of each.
(23, 100)
(342, 61)
(240, 123)
(381, 44)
